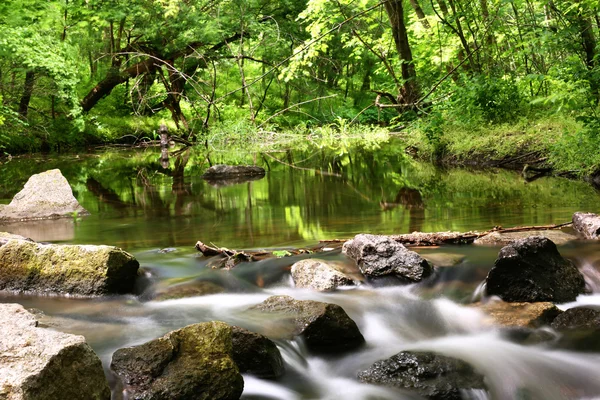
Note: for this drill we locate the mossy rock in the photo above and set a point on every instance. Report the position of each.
(27, 266)
(200, 361)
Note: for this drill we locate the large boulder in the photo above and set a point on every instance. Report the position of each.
(325, 328)
(200, 361)
(45, 196)
(319, 275)
(41, 364)
(532, 270)
(381, 256)
(430, 375)
(587, 225)
(27, 266)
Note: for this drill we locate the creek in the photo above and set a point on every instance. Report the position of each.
(158, 210)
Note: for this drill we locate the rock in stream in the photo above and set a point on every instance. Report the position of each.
(587, 225)
(326, 328)
(319, 275)
(532, 270)
(430, 375)
(45, 196)
(381, 256)
(200, 361)
(41, 364)
(27, 266)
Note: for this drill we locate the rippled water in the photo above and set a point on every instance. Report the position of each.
(143, 207)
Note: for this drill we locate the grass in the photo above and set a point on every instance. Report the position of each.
(567, 143)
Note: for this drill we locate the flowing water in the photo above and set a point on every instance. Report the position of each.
(158, 210)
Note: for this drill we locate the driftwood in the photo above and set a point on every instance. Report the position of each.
(228, 258)
(440, 238)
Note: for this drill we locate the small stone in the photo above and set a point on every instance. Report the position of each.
(578, 318)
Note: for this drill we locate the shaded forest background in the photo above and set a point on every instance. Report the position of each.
(453, 76)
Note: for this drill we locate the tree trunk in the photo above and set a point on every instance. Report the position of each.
(419, 11)
(409, 93)
(443, 7)
(26, 97)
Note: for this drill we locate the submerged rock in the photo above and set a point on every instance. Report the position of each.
(41, 364)
(326, 328)
(45, 196)
(430, 375)
(27, 266)
(222, 171)
(528, 315)
(532, 270)
(200, 361)
(587, 225)
(319, 275)
(188, 289)
(380, 256)
(578, 318)
(503, 238)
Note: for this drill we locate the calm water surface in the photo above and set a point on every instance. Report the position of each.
(144, 205)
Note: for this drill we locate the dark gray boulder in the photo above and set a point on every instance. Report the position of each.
(45, 196)
(255, 354)
(42, 364)
(325, 328)
(587, 225)
(430, 375)
(27, 266)
(222, 171)
(578, 318)
(380, 256)
(319, 275)
(532, 270)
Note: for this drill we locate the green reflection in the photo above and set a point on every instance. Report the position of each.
(308, 194)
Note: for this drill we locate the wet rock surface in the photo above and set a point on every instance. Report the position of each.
(587, 225)
(319, 275)
(381, 256)
(194, 362)
(430, 375)
(325, 328)
(255, 354)
(31, 267)
(188, 289)
(45, 196)
(532, 270)
(530, 315)
(578, 318)
(41, 364)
